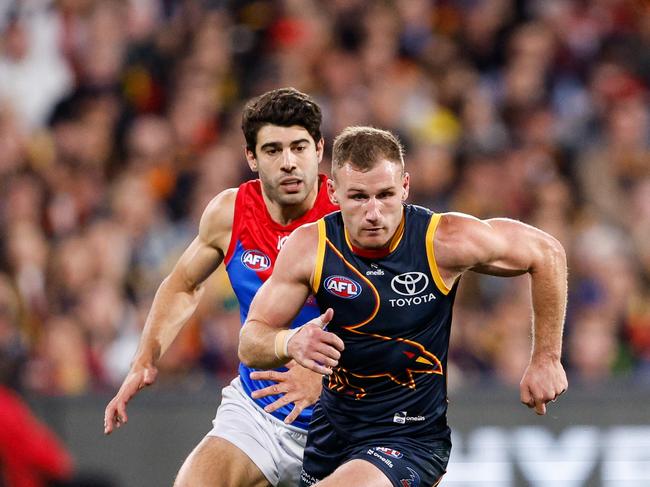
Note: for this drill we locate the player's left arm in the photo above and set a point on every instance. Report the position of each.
(504, 247)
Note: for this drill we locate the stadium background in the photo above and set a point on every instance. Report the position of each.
(119, 120)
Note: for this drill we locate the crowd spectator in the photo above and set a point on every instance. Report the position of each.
(119, 121)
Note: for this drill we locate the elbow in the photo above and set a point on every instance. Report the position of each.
(244, 349)
(552, 254)
(244, 358)
(557, 252)
(177, 282)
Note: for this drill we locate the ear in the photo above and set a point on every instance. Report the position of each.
(331, 191)
(406, 179)
(250, 158)
(320, 149)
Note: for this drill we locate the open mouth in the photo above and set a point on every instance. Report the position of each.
(291, 185)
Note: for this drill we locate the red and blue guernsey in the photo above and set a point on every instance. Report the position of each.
(254, 246)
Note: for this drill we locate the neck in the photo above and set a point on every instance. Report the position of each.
(378, 252)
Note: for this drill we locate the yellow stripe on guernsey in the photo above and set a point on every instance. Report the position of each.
(399, 233)
(433, 266)
(320, 255)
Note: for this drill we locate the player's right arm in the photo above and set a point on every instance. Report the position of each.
(175, 301)
(265, 341)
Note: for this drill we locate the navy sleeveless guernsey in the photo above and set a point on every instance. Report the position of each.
(393, 312)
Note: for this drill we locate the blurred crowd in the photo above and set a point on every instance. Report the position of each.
(120, 120)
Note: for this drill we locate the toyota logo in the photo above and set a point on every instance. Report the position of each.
(409, 283)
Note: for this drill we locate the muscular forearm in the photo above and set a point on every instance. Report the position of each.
(257, 345)
(549, 295)
(172, 307)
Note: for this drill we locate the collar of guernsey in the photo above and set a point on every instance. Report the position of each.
(254, 246)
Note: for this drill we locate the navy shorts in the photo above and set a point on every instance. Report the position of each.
(405, 461)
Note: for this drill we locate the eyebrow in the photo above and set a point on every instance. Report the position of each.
(359, 190)
(275, 145)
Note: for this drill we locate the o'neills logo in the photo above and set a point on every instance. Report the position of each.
(374, 270)
(255, 260)
(402, 418)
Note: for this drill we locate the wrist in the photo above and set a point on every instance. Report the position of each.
(549, 355)
(141, 363)
(282, 343)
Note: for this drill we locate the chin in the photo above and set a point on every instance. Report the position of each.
(291, 199)
(373, 243)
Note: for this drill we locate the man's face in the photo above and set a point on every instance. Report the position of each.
(370, 202)
(286, 159)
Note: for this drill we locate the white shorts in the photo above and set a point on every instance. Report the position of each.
(276, 448)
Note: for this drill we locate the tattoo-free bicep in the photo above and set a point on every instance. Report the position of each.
(513, 248)
(206, 252)
(197, 263)
(497, 246)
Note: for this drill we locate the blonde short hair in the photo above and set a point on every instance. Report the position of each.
(364, 147)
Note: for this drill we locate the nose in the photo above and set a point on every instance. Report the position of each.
(288, 160)
(372, 210)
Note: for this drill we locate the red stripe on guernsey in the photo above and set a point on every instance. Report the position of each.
(257, 232)
(370, 253)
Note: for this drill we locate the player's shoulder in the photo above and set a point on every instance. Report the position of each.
(456, 231)
(305, 235)
(453, 222)
(218, 215)
(303, 241)
(298, 254)
(221, 204)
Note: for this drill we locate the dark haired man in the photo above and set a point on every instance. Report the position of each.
(252, 443)
(384, 275)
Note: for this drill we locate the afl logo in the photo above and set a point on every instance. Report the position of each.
(390, 452)
(255, 260)
(409, 283)
(343, 287)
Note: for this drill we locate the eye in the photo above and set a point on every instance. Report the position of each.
(271, 152)
(385, 195)
(300, 148)
(358, 197)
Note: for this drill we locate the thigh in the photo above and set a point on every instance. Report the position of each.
(325, 450)
(406, 462)
(274, 448)
(215, 462)
(357, 473)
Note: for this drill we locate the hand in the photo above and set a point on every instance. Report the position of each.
(115, 414)
(544, 380)
(314, 348)
(298, 385)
